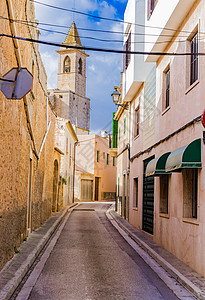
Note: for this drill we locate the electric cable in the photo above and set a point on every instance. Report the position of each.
(103, 50)
(105, 18)
(33, 23)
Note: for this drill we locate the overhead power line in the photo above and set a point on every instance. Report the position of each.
(105, 18)
(110, 40)
(101, 49)
(36, 23)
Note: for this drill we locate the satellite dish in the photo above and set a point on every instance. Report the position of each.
(16, 83)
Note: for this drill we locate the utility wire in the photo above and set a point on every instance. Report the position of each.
(105, 18)
(35, 24)
(99, 39)
(110, 41)
(103, 50)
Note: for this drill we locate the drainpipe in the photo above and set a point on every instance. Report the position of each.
(19, 64)
(128, 140)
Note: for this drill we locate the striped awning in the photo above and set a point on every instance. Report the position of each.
(188, 156)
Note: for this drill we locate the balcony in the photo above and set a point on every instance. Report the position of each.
(136, 70)
(166, 14)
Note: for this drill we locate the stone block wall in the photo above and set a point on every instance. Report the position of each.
(18, 142)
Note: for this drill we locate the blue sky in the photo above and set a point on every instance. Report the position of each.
(103, 69)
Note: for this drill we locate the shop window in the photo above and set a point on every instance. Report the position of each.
(190, 193)
(135, 194)
(164, 189)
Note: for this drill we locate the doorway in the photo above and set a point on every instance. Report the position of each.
(148, 200)
(86, 190)
(97, 183)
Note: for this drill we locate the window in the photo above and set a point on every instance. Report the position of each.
(135, 194)
(103, 155)
(124, 125)
(67, 65)
(80, 64)
(108, 159)
(194, 59)
(98, 153)
(137, 122)
(164, 182)
(127, 56)
(166, 89)
(190, 191)
(150, 7)
(113, 161)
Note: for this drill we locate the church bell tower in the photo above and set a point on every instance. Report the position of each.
(71, 102)
(72, 64)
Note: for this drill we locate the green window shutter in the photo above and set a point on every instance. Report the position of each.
(114, 132)
(98, 156)
(124, 125)
(113, 162)
(107, 159)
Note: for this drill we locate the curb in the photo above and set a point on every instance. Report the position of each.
(196, 291)
(12, 284)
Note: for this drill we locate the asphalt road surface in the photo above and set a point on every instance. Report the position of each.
(91, 261)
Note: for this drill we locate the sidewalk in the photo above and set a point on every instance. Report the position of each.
(15, 270)
(176, 268)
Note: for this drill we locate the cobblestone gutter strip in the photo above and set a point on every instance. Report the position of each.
(193, 288)
(15, 270)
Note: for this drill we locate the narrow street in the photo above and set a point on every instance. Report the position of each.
(91, 260)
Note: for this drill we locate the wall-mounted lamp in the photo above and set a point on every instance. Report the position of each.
(115, 98)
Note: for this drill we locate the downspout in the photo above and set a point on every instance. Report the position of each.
(128, 139)
(19, 64)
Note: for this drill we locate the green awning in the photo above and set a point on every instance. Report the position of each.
(188, 156)
(157, 165)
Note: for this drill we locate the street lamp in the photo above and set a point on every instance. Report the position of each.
(115, 98)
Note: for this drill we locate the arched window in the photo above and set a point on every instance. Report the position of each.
(80, 66)
(67, 65)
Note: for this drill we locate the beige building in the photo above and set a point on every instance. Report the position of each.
(166, 134)
(65, 142)
(27, 136)
(95, 177)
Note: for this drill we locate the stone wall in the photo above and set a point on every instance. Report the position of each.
(26, 183)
